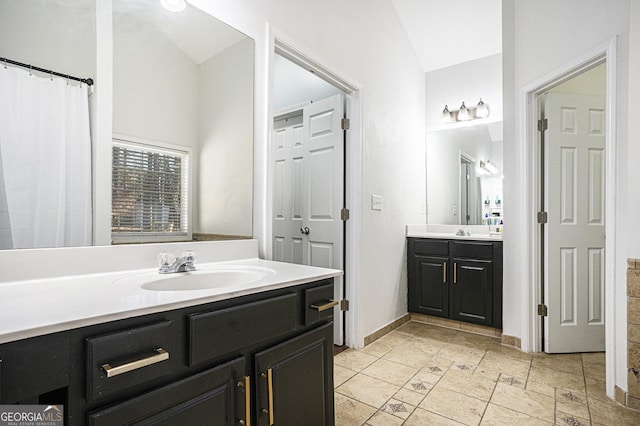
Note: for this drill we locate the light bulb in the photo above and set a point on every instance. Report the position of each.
(174, 5)
(463, 113)
(482, 111)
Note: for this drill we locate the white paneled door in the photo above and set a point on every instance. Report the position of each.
(575, 233)
(308, 155)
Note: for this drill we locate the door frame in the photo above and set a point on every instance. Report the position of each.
(284, 45)
(529, 113)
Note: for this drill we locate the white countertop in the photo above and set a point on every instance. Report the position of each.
(35, 307)
(476, 232)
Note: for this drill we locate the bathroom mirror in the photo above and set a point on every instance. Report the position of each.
(179, 79)
(464, 175)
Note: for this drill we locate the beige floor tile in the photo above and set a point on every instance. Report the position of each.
(467, 384)
(597, 390)
(572, 403)
(437, 366)
(524, 401)
(410, 327)
(426, 345)
(435, 332)
(462, 355)
(398, 408)
(513, 381)
(594, 358)
(510, 351)
(409, 396)
(422, 417)
(366, 389)
(390, 372)
(555, 378)
(383, 419)
(565, 419)
(474, 341)
(377, 348)
(341, 375)
(486, 374)
(567, 363)
(610, 413)
(541, 388)
(505, 365)
(411, 358)
(354, 360)
(350, 412)
(496, 415)
(594, 371)
(455, 406)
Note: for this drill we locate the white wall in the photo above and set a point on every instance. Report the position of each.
(376, 53)
(226, 143)
(539, 38)
(155, 86)
(468, 82)
(51, 35)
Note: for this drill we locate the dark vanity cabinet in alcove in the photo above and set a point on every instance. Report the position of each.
(456, 279)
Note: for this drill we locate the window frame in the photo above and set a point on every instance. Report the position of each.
(163, 147)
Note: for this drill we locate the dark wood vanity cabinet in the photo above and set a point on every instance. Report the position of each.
(259, 359)
(456, 279)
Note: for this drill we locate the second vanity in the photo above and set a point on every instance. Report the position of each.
(455, 273)
(110, 351)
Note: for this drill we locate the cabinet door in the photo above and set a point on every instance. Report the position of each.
(428, 288)
(471, 291)
(213, 397)
(294, 381)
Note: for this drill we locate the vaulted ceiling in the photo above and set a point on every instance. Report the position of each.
(449, 32)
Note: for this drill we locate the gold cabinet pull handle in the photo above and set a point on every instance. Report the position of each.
(330, 304)
(246, 384)
(455, 273)
(159, 356)
(269, 376)
(444, 272)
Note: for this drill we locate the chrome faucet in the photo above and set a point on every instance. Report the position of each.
(182, 264)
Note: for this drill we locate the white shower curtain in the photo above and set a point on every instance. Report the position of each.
(45, 161)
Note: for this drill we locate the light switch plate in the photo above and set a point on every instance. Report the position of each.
(376, 202)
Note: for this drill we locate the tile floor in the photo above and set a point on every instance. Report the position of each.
(422, 375)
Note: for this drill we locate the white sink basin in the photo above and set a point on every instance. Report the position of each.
(212, 277)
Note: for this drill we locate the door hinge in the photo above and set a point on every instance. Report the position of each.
(344, 305)
(543, 124)
(542, 217)
(344, 214)
(542, 310)
(345, 124)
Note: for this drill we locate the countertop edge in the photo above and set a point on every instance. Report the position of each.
(56, 327)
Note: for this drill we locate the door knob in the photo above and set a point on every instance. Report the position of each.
(304, 230)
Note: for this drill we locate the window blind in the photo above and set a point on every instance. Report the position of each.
(149, 191)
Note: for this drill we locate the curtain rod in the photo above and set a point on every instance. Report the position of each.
(87, 81)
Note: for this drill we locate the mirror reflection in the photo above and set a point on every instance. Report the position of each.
(464, 175)
(181, 81)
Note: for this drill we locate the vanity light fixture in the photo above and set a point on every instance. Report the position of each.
(488, 167)
(465, 113)
(174, 5)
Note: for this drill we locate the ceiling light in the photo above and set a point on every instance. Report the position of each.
(482, 110)
(174, 5)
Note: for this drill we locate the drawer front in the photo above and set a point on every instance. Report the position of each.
(211, 397)
(239, 327)
(127, 358)
(318, 303)
(429, 246)
(472, 249)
